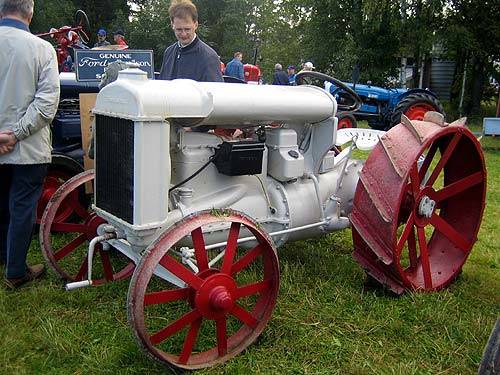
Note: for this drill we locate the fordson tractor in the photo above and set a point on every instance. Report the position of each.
(383, 107)
(196, 218)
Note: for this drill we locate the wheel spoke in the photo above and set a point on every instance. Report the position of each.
(412, 250)
(68, 227)
(251, 289)
(70, 247)
(458, 187)
(424, 257)
(415, 181)
(199, 249)
(175, 327)
(106, 265)
(164, 296)
(234, 233)
(244, 316)
(181, 272)
(444, 159)
(83, 270)
(442, 226)
(221, 336)
(427, 161)
(246, 259)
(190, 340)
(80, 210)
(406, 232)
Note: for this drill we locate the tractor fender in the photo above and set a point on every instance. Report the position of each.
(417, 91)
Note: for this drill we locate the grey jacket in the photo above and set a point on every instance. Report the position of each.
(29, 92)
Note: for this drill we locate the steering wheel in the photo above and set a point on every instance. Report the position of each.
(300, 79)
(83, 25)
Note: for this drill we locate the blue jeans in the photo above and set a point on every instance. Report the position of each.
(20, 189)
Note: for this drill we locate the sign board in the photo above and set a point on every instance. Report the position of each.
(90, 64)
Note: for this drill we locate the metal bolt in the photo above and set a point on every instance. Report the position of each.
(426, 207)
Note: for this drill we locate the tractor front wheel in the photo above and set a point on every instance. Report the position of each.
(415, 106)
(194, 308)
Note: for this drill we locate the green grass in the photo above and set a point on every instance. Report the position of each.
(325, 322)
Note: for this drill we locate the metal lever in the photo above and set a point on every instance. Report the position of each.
(84, 283)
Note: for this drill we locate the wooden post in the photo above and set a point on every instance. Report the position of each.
(87, 120)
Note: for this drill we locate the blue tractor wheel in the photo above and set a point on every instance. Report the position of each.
(414, 106)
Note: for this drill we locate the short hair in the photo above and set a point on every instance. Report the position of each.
(182, 9)
(21, 7)
(278, 67)
(236, 54)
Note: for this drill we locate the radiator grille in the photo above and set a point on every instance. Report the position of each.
(114, 166)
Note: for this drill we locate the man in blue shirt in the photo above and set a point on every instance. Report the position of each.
(234, 67)
(291, 74)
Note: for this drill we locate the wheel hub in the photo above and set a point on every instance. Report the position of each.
(216, 297)
(92, 223)
(220, 299)
(426, 207)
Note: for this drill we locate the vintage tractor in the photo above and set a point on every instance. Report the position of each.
(383, 107)
(196, 218)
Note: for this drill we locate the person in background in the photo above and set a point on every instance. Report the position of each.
(119, 38)
(29, 97)
(101, 39)
(234, 67)
(279, 76)
(189, 57)
(308, 66)
(291, 74)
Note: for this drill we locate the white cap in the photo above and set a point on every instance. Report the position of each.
(309, 65)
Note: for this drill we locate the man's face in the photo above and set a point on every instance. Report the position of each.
(184, 29)
(290, 71)
(101, 38)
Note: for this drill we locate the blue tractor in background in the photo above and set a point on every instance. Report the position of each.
(383, 107)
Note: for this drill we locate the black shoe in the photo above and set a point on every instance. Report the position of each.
(33, 272)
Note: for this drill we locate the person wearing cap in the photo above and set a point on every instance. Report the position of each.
(101, 39)
(189, 57)
(291, 74)
(279, 76)
(119, 38)
(308, 66)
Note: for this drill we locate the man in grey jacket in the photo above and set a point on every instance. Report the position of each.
(29, 96)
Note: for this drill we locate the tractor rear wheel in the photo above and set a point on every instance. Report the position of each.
(418, 205)
(194, 308)
(346, 120)
(415, 106)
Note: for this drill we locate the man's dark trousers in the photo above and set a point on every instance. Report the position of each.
(20, 189)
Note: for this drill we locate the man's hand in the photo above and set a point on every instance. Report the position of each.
(7, 142)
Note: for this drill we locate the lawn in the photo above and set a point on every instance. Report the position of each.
(326, 320)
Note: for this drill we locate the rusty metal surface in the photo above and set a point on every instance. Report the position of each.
(395, 185)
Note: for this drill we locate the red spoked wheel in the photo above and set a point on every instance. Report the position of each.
(64, 243)
(419, 205)
(54, 181)
(216, 309)
(346, 120)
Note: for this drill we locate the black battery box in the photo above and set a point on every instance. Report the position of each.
(239, 158)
